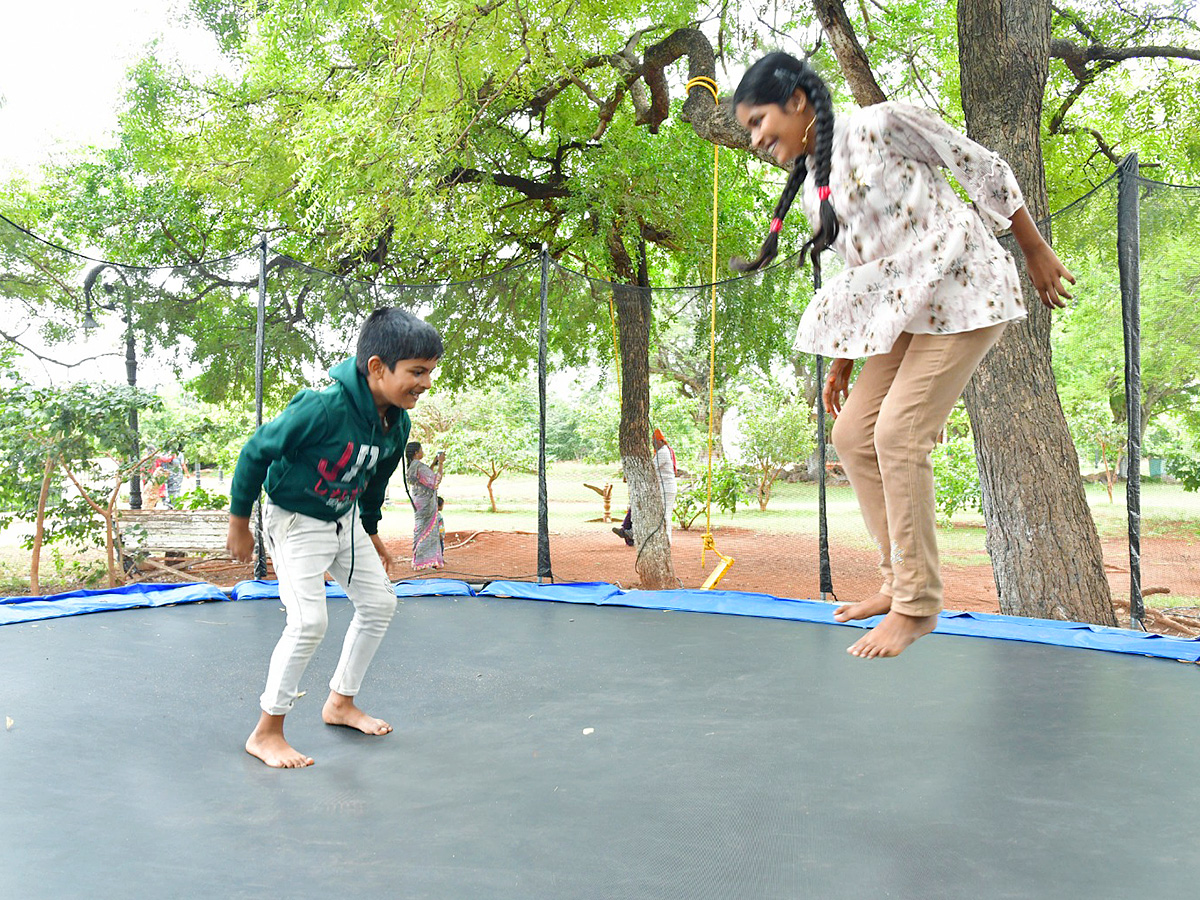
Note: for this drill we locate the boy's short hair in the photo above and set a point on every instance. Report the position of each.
(394, 334)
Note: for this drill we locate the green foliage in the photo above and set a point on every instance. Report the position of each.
(490, 430)
(955, 472)
(199, 498)
(728, 489)
(594, 419)
(1186, 469)
(209, 434)
(776, 430)
(82, 429)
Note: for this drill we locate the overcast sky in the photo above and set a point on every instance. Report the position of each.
(62, 70)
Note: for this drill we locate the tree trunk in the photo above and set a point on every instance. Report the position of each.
(632, 299)
(1043, 543)
(491, 493)
(39, 534)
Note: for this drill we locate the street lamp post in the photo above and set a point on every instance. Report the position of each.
(89, 324)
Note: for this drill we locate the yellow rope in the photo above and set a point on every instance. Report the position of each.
(708, 543)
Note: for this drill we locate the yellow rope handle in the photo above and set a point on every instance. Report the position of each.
(708, 544)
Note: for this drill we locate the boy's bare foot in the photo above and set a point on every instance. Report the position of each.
(876, 605)
(340, 710)
(892, 635)
(268, 744)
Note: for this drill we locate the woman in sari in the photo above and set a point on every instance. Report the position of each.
(423, 483)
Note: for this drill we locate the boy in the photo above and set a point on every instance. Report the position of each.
(325, 461)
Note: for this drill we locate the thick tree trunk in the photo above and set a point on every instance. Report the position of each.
(632, 299)
(1043, 543)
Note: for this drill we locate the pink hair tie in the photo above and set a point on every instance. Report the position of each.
(823, 193)
(776, 226)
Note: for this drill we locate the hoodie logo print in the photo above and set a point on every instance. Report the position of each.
(331, 475)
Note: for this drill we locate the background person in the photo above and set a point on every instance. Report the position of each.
(664, 464)
(423, 484)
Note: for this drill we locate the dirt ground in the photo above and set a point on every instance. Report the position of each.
(759, 568)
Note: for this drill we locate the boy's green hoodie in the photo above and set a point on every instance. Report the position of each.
(326, 450)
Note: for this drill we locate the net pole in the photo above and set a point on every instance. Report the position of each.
(543, 550)
(260, 555)
(825, 572)
(1128, 260)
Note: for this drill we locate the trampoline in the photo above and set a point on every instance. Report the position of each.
(597, 749)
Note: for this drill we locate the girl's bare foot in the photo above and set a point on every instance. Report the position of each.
(340, 710)
(892, 635)
(267, 743)
(875, 605)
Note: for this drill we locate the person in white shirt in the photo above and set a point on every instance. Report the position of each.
(927, 290)
(664, 464)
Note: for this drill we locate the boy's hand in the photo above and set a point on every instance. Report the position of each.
(240, 542)
(389, 561)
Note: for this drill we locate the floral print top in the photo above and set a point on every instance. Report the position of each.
(918, 258)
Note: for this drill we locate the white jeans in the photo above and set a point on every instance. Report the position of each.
(303, 549)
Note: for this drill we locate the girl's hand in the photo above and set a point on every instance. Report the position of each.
(1047, 272)
(837, 385)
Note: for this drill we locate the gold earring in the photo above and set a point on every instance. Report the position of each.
(811, 123)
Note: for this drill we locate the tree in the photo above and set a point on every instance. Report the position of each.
(492, 430)
(78, 436)
(440, 142)
(776, 430)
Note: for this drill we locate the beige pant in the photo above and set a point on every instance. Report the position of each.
(884, 437)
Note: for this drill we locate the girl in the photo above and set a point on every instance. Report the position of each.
(926, 292)
(422, 485)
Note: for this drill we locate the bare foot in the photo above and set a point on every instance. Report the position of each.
(268, 744)
(875, 605)
(340, 710)
(892, 635)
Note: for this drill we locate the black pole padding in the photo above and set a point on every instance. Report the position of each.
(543, 549)
(1128, 260)
(826, 574)
(825, 569)
(260, 553)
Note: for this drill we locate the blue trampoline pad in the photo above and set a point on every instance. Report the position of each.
(558, 750)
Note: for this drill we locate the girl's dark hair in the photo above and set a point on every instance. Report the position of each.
(773, 79)
(411, 449)
(394, 334)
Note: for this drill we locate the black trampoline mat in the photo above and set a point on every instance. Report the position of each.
(727, 757)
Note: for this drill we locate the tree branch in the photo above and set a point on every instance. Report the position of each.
(554, 186)
(849, 52)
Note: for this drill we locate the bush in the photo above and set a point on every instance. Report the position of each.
(199, 498)
(729, 487)
(955, 472)
(1185, 469)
